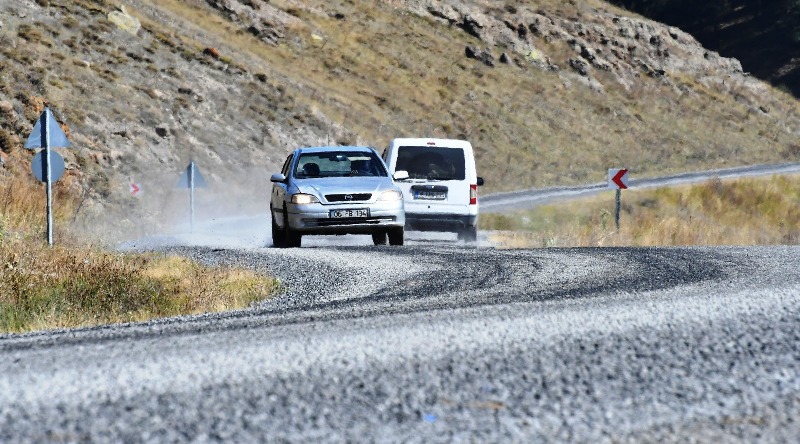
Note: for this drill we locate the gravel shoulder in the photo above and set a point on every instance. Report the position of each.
(435, 343)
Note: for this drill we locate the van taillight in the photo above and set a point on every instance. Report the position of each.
(473, 194)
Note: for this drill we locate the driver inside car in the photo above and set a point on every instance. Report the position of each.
(311, 169)
(360, 168)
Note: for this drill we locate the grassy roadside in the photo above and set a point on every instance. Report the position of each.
(74, 285)
(759, 211)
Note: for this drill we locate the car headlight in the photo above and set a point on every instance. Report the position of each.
(390, 195)
(303, 199)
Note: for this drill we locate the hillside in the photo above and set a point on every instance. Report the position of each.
(549, 92)
(762, 35)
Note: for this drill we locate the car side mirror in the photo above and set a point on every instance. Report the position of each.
(400, 175)
(277, 177)
(480, 181)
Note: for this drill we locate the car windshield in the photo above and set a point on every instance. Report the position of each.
(339, 164)
(431, 162)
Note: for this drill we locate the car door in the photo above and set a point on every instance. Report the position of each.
(279, 191)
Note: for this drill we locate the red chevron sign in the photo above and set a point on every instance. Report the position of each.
(618, 178)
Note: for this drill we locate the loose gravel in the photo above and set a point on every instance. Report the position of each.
(438, 343)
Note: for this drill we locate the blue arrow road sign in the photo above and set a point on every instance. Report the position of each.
(39, 166)
(47, 134)
(192, 179)
(197, 180)
(57, 137)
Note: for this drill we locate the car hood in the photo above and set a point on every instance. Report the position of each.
(344, 185)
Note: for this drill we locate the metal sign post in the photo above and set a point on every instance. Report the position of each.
(47, 134)
(49, 182)
(617, 180)
(191, 195)
(192, 179)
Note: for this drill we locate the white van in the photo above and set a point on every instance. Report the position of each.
(441, 192)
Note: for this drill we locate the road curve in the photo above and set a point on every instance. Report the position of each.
(438, 343)
(526, 199)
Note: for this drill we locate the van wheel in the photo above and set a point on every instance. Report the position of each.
(379, 238)
(277, 235)
(469, 234)
(396, 236)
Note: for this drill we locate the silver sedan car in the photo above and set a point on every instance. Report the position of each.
(336, 190)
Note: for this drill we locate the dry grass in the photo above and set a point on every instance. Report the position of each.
(23, 208)
(60, 287)
(742, 212)
(72, 284)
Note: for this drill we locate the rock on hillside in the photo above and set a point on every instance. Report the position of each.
(590, 43)
(604, 45)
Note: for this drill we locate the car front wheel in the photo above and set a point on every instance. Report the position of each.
(396, 236)
(292, 239)
(278, 237)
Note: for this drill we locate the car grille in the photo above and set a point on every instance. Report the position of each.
(354, 197)
(349, 221)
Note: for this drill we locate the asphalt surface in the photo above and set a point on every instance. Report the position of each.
(438, 342)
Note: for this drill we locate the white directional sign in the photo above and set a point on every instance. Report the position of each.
(618, 178)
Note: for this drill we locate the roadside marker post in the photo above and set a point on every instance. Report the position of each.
(49, 167)
(192, 179)
(617, 180)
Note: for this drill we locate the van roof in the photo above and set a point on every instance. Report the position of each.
(423, 141)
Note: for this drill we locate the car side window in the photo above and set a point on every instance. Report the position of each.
(285, 169)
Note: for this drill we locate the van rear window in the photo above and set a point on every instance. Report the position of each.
(432, 163)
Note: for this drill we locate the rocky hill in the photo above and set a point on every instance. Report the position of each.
(549, 92)
(762, 35)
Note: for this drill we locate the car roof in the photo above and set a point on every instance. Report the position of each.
(334, 149)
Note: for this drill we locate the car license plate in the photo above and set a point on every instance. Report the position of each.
(357, 212)
(430, 195)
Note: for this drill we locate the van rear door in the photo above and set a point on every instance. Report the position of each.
(438, 181)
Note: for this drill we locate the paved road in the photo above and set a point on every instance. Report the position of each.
(526, 199)
(438, 342)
